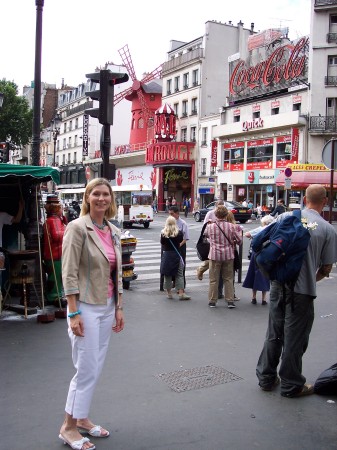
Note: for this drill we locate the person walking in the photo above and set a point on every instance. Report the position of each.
(186, 206)
(255, 280)
(222, 236)
(291, 311)
(172, 264)
(92, 280)
(182, 225)
(280, 208)
(53, 231)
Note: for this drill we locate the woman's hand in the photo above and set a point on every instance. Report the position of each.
(119, 325)
(77, 326)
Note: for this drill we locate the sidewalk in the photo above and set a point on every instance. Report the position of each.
(136, 403)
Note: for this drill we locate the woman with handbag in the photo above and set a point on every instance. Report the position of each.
(172, 264)
(222, 236)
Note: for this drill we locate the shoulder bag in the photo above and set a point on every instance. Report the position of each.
(237, 262)
(203, 246)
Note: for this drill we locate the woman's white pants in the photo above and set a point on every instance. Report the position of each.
(88, 355)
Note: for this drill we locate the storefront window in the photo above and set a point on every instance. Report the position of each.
(233, 156)
(283, 151)
(260, 154)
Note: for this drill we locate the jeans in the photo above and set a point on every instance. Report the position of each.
(289, 327)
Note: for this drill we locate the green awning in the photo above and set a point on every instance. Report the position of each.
(28, 174)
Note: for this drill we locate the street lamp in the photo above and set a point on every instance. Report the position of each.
(56, 123)
(1, 99)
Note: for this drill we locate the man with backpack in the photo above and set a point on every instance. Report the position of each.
(291, 312)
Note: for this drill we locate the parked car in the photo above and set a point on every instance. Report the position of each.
(241, 213)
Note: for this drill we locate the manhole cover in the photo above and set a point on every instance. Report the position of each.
(200, 377)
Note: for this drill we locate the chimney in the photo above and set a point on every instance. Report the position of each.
(252, 27)
(62, 83)
(240, 24)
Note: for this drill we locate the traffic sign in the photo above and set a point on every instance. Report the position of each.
(288, 172)
(287, 183)
(327, 156)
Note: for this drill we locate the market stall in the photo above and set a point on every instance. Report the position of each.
(21, 241)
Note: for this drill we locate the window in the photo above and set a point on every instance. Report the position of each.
(194, 106)
(204, 136)
(75, 157)
(76, 123)
(64, 143)
(168, 87)
(297, 107)
(195, 77)
(69, 142)
(58, 145)
(332, 60)
(176, 109)
(275, 111)
(69, 160)
(260, 154)
(203, 166)
(183, 134)
(184, 108)
(176, 84)
(70, 125)
(185, 80)
(141, 123)
(75, 140)
(236, 119)
(65, 127)
(193, 134)
(256, 115)
(63, 160)
(226, 159)
(283, 151)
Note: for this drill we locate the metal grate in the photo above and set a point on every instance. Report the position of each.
(200, 377)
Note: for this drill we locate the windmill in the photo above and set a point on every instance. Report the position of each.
(136, 90)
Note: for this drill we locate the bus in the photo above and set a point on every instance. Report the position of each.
(134, 203)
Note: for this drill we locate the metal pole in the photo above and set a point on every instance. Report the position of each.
(105, 149)
(331, 178)
(55, 139)
(37, 85)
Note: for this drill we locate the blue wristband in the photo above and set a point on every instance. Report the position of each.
(73, 314)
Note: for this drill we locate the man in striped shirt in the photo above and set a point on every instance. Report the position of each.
(223, 236)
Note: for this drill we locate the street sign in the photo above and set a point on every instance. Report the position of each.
(288, 172)
(327, 156)
(287, 183)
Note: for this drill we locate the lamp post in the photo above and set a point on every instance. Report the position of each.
(56, 122)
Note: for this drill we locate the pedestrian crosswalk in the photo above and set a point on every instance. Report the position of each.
(147, 263)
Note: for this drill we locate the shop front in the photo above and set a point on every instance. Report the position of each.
(175, 166)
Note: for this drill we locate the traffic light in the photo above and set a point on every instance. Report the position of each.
(4, 152)
(105, 95)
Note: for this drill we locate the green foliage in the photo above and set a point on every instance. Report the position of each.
(16, 117)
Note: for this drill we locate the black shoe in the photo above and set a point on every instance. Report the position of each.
(264, 303)
(254, 301)
(212, 304)
(231, 305)
(272, 386)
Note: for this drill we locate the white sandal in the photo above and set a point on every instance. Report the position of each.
(95, 431)
(76, 445)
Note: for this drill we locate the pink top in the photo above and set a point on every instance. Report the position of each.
(105, 237)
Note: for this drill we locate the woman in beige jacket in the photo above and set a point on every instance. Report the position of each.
(92, 281)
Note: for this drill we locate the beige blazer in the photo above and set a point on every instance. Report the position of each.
(85, 266)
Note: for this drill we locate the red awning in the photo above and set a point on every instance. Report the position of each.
(304, 179)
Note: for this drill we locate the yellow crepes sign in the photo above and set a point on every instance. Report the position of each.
(309, 167)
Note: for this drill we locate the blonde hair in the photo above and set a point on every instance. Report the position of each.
(170, 229)
(230, 218)
(112, 208)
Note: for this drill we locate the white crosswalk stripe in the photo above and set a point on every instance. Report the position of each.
(147, 263)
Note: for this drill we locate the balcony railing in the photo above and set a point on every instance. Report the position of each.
(331, 81)
(331, 37)
(323, 123)
(325, 2)
(186, 58)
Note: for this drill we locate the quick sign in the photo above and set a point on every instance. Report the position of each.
(85, 137)
(252, 124)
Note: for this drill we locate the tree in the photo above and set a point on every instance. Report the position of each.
(15, 115)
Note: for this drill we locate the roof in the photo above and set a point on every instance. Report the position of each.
(10, 173)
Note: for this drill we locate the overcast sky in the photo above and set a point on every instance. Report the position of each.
(79, 35)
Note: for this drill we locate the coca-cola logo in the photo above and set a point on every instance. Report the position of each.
(275, 69)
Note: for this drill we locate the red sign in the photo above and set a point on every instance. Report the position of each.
(251, 124)
(169, 152)
(234, 145)
(273, 71)
(295, 140)
(87, 173)
(260, 142)
(214, 154)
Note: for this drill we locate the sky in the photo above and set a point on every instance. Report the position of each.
(80, 35)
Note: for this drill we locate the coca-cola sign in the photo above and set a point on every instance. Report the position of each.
(284, 66)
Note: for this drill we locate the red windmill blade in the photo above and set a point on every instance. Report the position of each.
(137, 85)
